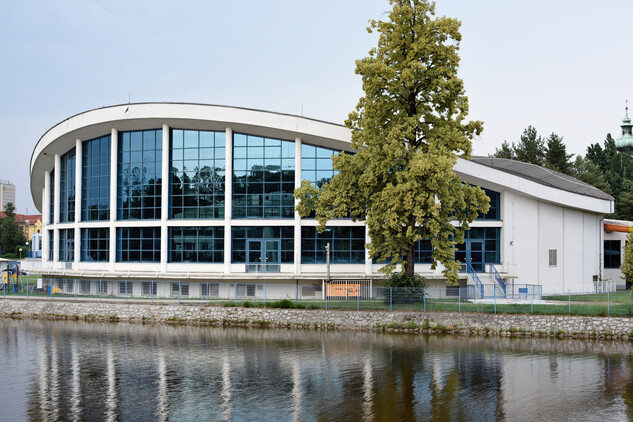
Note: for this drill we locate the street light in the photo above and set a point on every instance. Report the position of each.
(20, 254)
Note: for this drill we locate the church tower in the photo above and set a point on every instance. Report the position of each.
(625, 142)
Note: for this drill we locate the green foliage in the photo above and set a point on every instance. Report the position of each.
(11, 237)
(627, 261)
(405, 280)
(506, 151)
(407, 130)
(556, 156)
(284, 303)
(587, 171)
(531, 147)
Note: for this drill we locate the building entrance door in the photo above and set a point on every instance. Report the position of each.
(263, 255)
(471, 251)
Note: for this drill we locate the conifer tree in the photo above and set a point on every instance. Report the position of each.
(556, 156)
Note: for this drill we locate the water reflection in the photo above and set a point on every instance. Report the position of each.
(80, 371)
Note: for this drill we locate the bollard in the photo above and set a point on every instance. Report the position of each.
(424, 297)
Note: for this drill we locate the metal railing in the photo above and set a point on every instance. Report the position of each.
(475, 278)
(497, 278)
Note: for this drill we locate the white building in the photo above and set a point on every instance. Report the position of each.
(7, 193)
(227, 213)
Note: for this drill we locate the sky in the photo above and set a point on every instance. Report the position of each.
(561, 66)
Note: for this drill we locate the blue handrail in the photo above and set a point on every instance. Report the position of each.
(473, 275)
(497, 278)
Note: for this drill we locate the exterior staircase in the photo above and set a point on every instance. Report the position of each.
(487, 285)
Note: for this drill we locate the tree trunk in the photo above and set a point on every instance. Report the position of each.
(409, 268)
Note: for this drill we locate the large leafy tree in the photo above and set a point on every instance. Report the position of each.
(11, 237)
(408, 130)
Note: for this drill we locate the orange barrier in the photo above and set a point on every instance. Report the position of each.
(617, 228)
(343, 290)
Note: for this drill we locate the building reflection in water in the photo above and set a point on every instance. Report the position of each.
(79, 371)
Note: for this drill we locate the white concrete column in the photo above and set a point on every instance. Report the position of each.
(297, 217)
(58, 167)
(164, 202)
(55, 245)
(368, 263)
(78, 184)
(114, 160)
(78, 178)
(228, 198)
(44, 246)
(46, 219)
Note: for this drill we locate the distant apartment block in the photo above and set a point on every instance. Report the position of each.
(7, 193)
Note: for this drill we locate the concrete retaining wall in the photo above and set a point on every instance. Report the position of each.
(408, 322)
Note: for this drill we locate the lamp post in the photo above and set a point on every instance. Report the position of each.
(20, 254)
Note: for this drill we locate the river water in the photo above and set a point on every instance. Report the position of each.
(88, 371)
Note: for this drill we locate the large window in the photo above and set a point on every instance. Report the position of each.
(494, 212)
(423, 252)
(196, 244)
(612, 254)
(51, 245)
(67, 245)
(51, 199)
(138, 244)
(95, 244)
(347, 245)
(480, 247)
(67, 188)
(271, 245)
(139, 174)
(95, 179)
(263, 177)
(197, 172)
(316, 164)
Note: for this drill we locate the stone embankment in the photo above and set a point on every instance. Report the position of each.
(398, 321)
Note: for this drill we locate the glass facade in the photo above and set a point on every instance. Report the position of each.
(347, 245)
(138, 244)
(494, 212)
(196, 244)
(67, 245)
(316, 164)
(258, 245)
(263, 177)
(612, 253)
(197, 173)
(95, 244)
(263, 184)
(51, 245)
(95, 179)
(67, 187)
(139, 175)
(423, 252)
